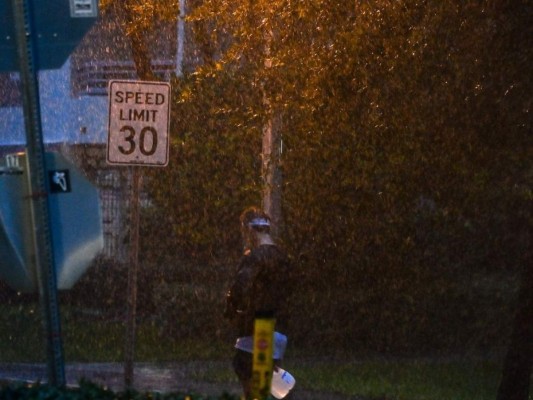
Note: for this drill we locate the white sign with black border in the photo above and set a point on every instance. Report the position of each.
(139, 122)
(83, 8)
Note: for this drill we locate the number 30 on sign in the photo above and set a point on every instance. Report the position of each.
(139, 121)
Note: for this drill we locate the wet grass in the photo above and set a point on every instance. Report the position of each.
(403, 380)
(21, 340)
(387, 380)
(21, 334)
(105, 342)
(93, 340)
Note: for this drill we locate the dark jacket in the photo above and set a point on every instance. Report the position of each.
(263, 285)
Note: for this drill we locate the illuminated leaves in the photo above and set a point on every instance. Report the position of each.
(144, 12)
(382, 102)
(405, 135)
(406, 159)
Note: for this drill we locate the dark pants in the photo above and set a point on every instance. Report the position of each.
(242, 365)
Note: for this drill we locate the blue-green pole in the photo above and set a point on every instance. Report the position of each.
(36, 172)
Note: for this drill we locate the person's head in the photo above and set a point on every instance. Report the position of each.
(254, 222)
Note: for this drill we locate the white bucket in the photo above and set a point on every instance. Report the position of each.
(282, 383)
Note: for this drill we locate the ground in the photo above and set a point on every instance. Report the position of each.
(167, 377)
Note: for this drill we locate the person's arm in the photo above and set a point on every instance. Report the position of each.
(236, 297)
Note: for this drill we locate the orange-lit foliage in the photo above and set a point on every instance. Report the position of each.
(406, 129)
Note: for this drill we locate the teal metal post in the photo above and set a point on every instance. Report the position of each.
(42, 236)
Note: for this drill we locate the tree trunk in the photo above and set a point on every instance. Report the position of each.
(271, 151)
(272, 177)
(139, 50)
(517, 366)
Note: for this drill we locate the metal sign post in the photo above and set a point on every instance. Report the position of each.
(139, 124)
(38, 35)
(131, 312)
(40, 214)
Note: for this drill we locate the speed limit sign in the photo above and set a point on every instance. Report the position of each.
(139, 120)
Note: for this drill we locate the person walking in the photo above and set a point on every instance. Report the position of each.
(262, 285)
